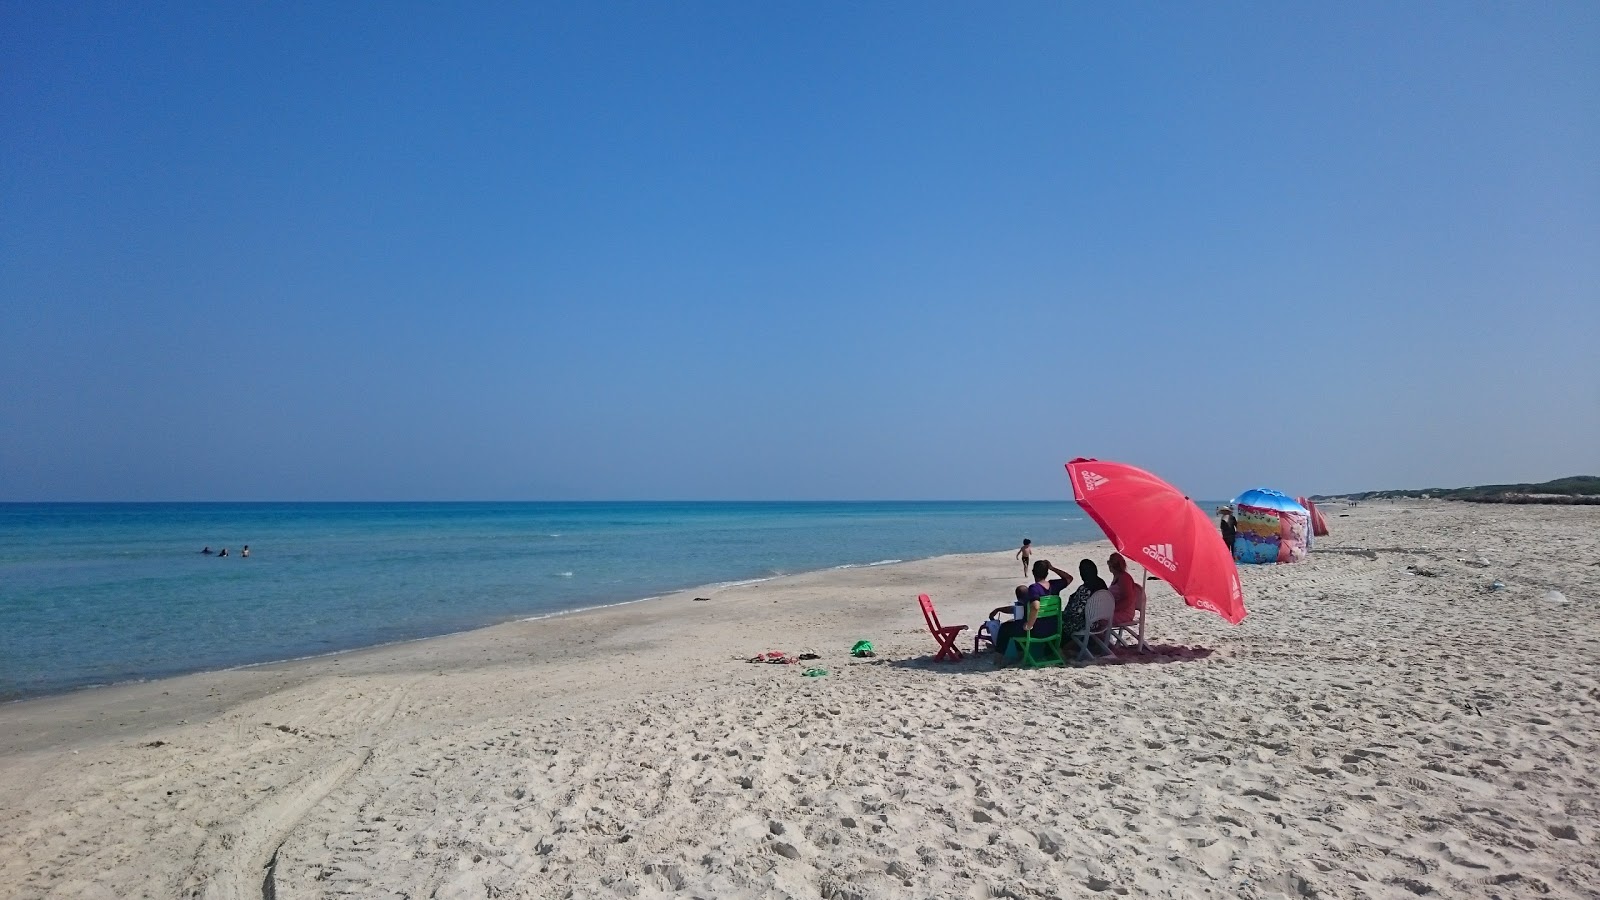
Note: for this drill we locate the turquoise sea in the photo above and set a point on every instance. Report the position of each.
(101, 593)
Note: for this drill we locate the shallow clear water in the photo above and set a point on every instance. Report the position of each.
(98, 593)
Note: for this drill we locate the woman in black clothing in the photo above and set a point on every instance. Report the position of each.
(1073, 609)
(1229, 525)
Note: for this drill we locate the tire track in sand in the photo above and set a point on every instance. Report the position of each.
(249, 853)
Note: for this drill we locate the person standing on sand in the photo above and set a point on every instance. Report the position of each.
(1229, 526)
(1024, 553)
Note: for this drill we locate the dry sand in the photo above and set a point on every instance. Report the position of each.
(1365, 733)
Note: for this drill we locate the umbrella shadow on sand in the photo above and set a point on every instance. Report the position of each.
(983, 663)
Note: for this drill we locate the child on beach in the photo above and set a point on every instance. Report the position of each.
(1024, 553)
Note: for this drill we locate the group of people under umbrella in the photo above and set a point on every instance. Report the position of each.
(1149, 522)
(1127, 599)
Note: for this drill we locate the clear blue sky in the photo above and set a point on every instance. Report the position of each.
(757, 250)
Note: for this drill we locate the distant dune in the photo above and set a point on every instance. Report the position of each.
(1578, 489)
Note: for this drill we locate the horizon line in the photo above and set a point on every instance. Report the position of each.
(572, 500)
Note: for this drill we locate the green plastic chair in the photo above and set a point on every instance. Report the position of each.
(1036, 653)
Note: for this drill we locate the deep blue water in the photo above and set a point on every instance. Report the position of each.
(98, 593)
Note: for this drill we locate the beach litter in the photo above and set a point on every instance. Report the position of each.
(1497, 586)
(1555, 597)
(814, 673)
(777, 657)
(862, 649)
(1425, 573)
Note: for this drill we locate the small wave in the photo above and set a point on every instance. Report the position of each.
(727, 584)
(582, 609)
(881, 562)
(563, 574)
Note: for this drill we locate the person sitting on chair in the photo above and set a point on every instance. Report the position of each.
(1043, 586)
(1074, 607)
(1126, 591)
(1018, 609)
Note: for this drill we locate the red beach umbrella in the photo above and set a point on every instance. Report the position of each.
(1319, 525)
(1154, 524)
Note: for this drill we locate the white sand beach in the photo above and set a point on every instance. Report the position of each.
(1366, 732)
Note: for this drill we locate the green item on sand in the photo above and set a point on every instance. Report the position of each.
(862, 648)
(814, 673)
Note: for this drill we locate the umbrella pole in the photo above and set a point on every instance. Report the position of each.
(1144, 579)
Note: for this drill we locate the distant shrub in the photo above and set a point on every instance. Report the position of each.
(1577, 489)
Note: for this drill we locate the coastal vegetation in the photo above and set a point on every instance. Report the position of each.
(1577, 489)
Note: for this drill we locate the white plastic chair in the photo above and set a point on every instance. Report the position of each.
(1099, 611)
(1131, 634)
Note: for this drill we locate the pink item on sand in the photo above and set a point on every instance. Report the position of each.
(775, 656)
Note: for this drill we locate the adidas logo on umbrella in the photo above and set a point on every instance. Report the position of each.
(1162, 553)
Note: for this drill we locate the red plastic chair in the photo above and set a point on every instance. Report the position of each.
(945, 634)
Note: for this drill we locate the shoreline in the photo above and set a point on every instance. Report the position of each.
(157, 679)
(83, 623)
(18, 714)
(27, 697)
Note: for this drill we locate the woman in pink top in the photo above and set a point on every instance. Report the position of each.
(1124, 589)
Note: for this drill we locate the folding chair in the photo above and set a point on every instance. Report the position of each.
(1049, 648)
(983, 635)
(945, 634)
(1097, 616)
